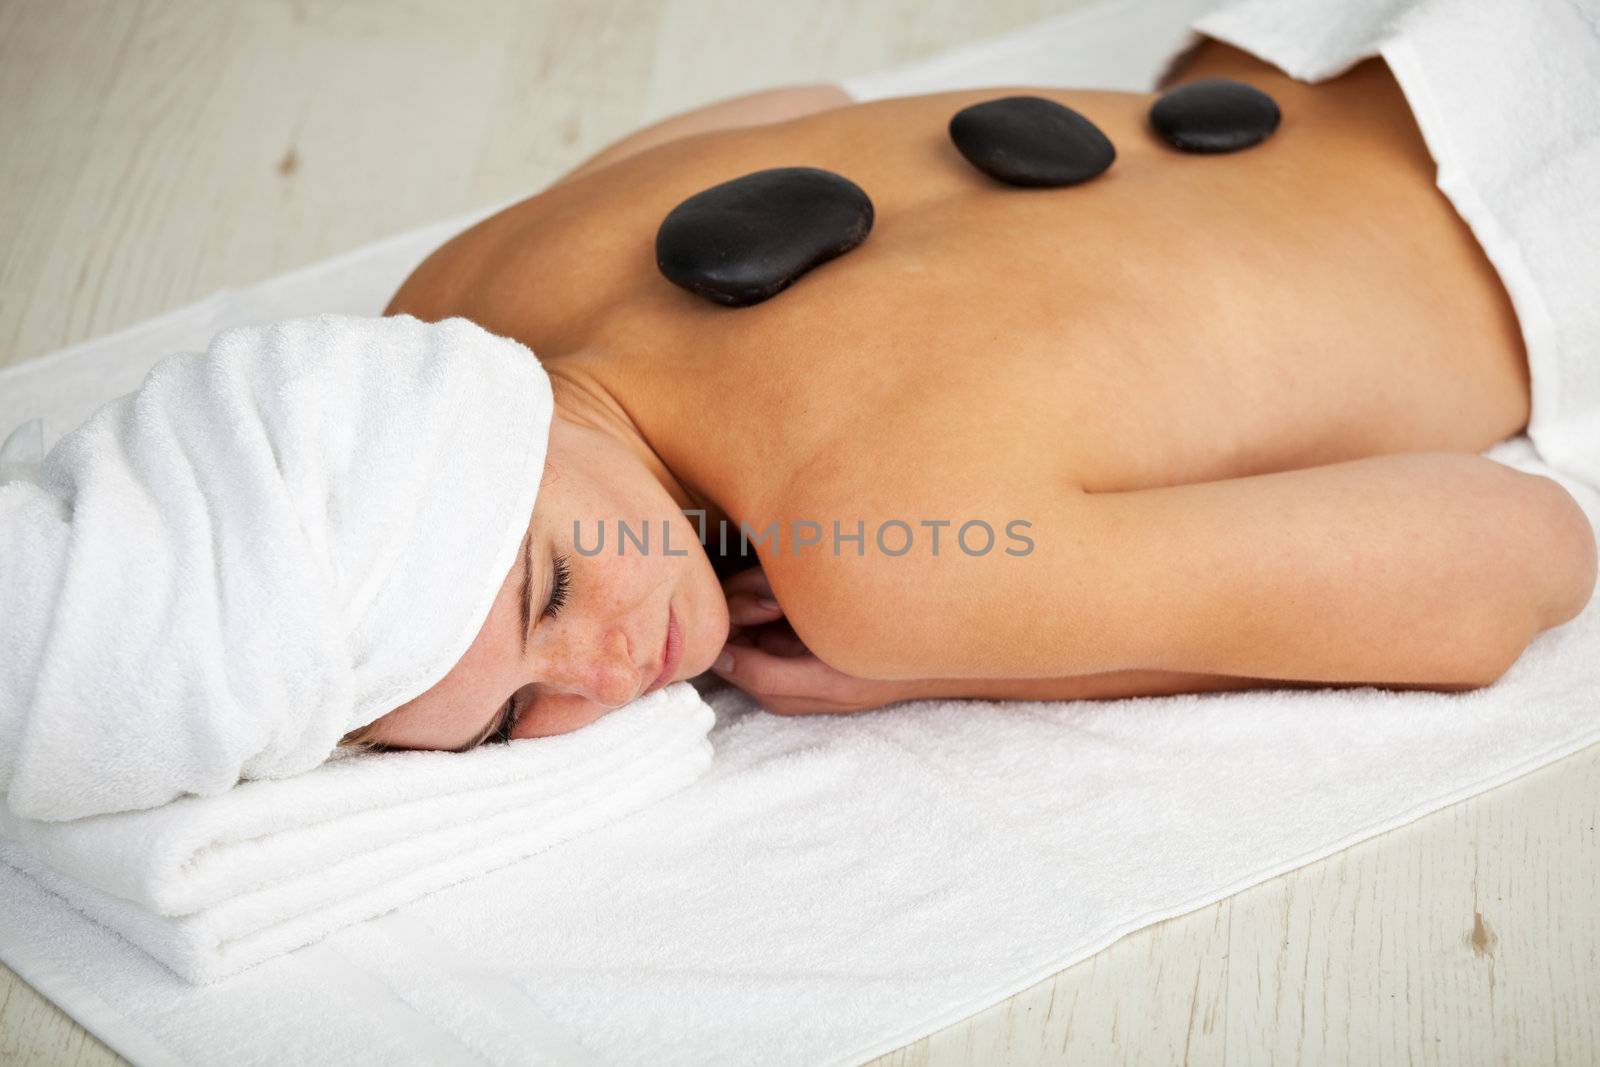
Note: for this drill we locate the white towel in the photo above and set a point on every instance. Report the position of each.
(210, 885)
(833, 887)
(268, 544)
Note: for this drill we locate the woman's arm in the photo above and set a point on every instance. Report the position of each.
(1427, 569)
(1409, 571)
(752, 109)
(767, 659)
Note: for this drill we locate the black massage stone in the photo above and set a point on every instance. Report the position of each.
(1214, 115)
(1031, 141)
(745, 240)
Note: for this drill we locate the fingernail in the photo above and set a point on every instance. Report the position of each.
(724, 661)
(768, 603)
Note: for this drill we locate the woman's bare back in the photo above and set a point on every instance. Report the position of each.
(1180, 319)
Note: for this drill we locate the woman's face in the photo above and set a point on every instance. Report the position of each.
(598, 623)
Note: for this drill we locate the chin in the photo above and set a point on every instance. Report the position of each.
(705, 638)
(702, 650)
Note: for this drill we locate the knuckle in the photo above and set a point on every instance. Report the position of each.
(741, 607)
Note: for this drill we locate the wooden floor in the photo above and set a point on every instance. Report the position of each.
(152, 151)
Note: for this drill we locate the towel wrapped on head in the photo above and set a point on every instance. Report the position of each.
(266, 546)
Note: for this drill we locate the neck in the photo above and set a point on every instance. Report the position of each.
(581, 399)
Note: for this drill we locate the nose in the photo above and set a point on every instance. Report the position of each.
(605, 672)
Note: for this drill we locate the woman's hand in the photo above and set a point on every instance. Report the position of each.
(766, 658)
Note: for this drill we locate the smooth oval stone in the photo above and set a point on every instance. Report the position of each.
(1214, 115)
(745, 240)
(1031, 141)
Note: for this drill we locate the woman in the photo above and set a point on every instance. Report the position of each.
(1219, 414)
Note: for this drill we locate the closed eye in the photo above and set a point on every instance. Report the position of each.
(559, 588)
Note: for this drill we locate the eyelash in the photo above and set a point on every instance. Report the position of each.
(558, 593)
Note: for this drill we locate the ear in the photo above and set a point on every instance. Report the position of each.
(551, 714)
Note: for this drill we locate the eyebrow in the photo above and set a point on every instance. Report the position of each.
(526, 598)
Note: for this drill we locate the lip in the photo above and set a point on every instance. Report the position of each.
(671, 652)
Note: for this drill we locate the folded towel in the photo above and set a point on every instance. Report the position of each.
(267, 545)
(210, 885)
